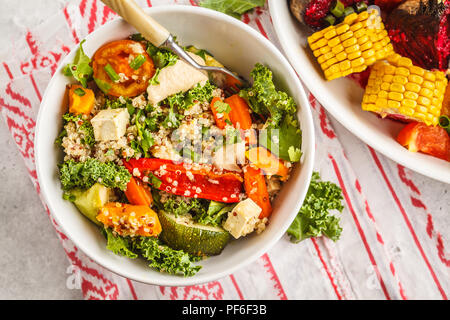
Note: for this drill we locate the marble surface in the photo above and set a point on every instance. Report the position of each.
(32, 260)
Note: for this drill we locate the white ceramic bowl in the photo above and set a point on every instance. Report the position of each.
(237, 46)
(342, 98)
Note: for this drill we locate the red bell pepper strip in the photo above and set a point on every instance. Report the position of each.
(434, 141)
(184, 180)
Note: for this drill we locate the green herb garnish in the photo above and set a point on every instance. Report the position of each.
(80, 68)
(79, 92)
(137, 62)
(112, 74)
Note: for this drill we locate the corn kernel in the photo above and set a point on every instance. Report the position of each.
(421, 109)
(349, 42)
(392, 59)
(430, 76)
(428, 85)
(409, 103)
(402, 71)
(337, 49)
(321, 59)
(426, 93)
(406, 111)
(439, 75)
(334, 42)
(368, 53)
(354, 55)
(352, 48)
(325, 49)
(393, 104)
(415, 78)
(347, 72)
(359, 33)
(383, 94)
(357, 62)
(344, 65)
(342, 28)
(385, 86)
(329, 62)
(417, 70)
(420, 116)
(363, 16)
(388, 78)
(372, 98)
(414, 87)
(360, 68)
(440, 85)
(395, 96)
(350, 18)
(404, 62)
(400, 79)
(366, 46)
(397, 87)
(334, 68)
(411, 95)
(434, 110)
(317, 53)
(381, 102)
(424, 101)
(362, 40)
(371, 60)
(341, 56)
(330, 34)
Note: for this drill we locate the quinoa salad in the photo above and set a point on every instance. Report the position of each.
(170, 163)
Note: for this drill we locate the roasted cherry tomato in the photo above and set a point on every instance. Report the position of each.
(114, 64)
(434, 141)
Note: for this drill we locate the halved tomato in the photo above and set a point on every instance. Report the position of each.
(117, 56)
(434, 141)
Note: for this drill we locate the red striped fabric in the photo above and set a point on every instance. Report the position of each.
(394, 241)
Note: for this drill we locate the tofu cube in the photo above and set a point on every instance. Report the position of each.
(110, 124)
(179, 77)
(243, 219)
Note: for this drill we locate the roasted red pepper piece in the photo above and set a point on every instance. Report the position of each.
(434, 141)
(186, 180)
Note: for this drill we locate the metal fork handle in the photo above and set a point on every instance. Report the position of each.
(130, 11)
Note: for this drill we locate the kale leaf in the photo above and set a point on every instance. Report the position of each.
(234, 8)
(282, 131)
(161, 257)
(84, 175)
(314, 218)
(165, 259)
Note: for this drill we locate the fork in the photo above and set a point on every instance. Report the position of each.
(159, 36)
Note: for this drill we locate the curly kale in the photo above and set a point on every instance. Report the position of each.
(165, 259)
(282, 134)
(180, 208)
(84, 175)
(314, 218)
(160, 256)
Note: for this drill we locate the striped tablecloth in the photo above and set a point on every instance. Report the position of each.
(396, 222)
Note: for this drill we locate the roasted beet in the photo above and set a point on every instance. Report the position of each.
(313, 12)
(420, 31)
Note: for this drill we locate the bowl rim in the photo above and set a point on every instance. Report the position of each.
(419, 162)
(307, 163)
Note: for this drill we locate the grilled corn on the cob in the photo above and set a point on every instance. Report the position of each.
(352, 45)
(397, 87)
